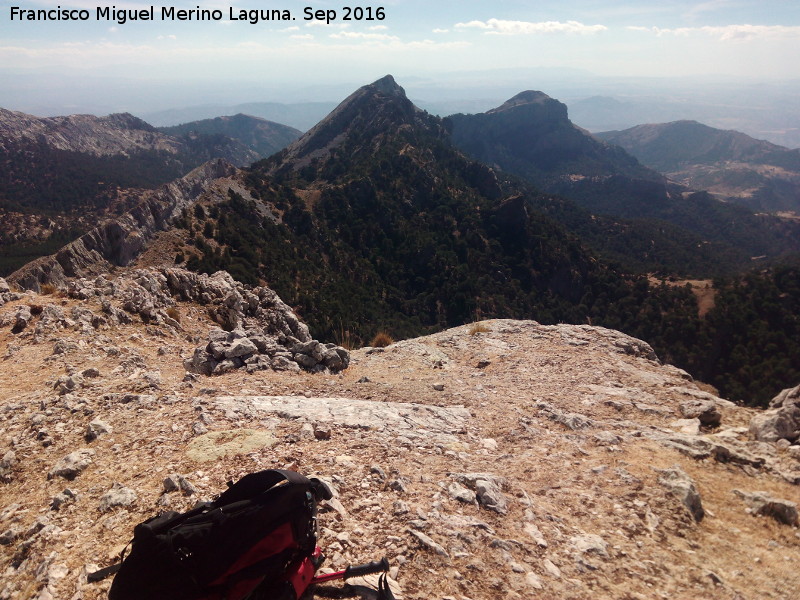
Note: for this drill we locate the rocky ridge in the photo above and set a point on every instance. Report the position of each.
(100, 136)
(729, 164)
(498, 459)
(119, 241)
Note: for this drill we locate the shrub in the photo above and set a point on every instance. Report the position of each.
(174, 313)
(381, 340)
(47, 289)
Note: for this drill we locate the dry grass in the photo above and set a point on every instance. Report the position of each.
(381, 340)
(174, 313)
(477, 328)
(47, 289)
(345, 338)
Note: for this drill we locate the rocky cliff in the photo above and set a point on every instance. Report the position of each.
(498, 459)
(117, 242)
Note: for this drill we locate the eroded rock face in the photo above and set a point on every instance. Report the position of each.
(119, 241)
(781, 421)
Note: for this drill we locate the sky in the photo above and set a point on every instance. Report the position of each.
(408, 38)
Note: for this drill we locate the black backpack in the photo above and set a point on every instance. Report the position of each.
(257, 540)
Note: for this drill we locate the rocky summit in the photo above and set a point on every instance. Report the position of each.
(498, 459)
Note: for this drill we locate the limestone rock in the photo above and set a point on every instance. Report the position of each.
(174, 483)
(7, 464)
(68, 496)
(95, 429)
(72, 465)
(462, 494)
(781, 421)
(118, 495)
(490, 496)
(533, 531)
(589, 543)
(488, 489)
(428, 542)
(22, 317)
(704, 410)
(683, 488)
(761, 503)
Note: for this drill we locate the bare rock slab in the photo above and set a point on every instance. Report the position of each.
(414, 421)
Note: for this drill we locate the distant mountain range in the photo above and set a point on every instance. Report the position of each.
(259, 135)
(301, 115)
(729, 164)
(743, 109)
(532, 137)
(378, 218)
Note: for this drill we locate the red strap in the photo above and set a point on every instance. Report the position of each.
(276, 542)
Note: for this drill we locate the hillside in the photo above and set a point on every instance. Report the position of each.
(532, 137)
(729, 164)
(259, 135)
(300, 115)
(499, 459)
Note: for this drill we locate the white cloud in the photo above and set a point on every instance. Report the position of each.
(289, 29)
(659, 32)
(303, 36)
(437, 30)
(317, 23)
(730, 32)
(378, 28)
(501, 27)
(359, 35)
(167, 37)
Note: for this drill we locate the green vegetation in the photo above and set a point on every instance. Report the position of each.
(748, 345)
(13, 255)
(39, 178)
(397, 232)
(260, 135)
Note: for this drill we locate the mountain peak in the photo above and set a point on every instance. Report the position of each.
(524, 98)
(387, 85)
(372, 111)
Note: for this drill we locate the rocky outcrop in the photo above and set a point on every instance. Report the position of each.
(6, 295)
(257, 330)
(781, 421)
(257, 350)
(117, 242)
(684, 489)
(763, 504)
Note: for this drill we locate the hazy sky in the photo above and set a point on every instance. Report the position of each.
(640, 38)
